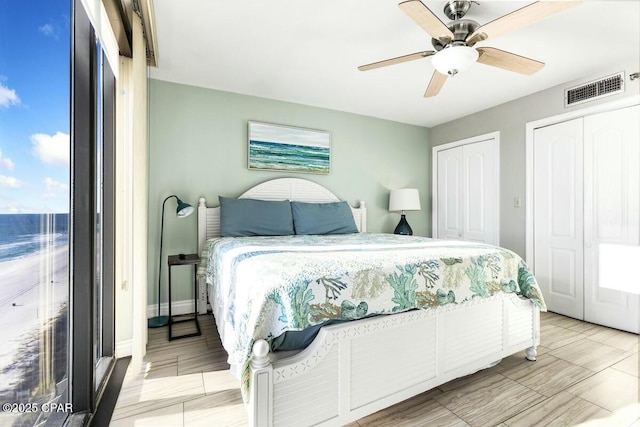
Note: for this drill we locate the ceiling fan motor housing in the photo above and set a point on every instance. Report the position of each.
(461, 29)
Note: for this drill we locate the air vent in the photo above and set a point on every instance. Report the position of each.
(594, 90)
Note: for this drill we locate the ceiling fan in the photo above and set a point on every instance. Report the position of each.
(453, 42)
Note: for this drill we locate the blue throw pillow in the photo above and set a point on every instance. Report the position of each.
(251, 217)
(323, 218)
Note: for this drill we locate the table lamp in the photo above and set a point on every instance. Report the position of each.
(405, 199)
(183, 210)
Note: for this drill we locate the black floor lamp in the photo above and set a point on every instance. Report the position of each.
(183, 210)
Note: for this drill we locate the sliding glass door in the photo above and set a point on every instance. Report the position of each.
(92, 227)
(57, 127)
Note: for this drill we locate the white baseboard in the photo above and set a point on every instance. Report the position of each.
(177, 307)
(124, 348)
(184, 306)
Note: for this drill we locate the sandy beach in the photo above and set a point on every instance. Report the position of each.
(32, 290)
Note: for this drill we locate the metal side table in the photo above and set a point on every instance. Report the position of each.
(185, 259)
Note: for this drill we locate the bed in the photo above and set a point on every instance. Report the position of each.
(389, 322)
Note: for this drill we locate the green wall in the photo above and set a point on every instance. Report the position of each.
(198, 148)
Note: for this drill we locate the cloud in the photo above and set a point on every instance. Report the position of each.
(57, 191)
(5, 162)
(11, 206)
(8, 97)
(53, 185)
(11, 182)
(49, 30)
(51, 149)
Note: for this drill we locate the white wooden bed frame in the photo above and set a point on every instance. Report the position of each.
(354, 369)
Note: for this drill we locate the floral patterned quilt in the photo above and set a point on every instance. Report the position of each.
(269, 285)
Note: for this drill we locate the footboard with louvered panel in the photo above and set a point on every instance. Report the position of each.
(355, 369)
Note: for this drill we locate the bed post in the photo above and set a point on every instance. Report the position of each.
(261, 386)
(202, 238)
(532, 352)
(363, 216)
(202, 223)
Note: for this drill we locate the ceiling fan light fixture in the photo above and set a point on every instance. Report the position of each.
(454, 59)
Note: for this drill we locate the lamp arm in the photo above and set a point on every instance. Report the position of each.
(160, 261)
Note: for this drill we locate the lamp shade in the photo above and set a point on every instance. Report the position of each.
(184, 209)
(405, 199)
(454, 59)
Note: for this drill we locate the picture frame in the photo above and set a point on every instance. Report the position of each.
(288, 148)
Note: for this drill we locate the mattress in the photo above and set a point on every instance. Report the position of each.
(263, 287)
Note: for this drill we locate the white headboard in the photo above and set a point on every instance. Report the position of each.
(294, 189)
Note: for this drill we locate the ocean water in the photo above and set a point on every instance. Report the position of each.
(22, 235)
(299, 158)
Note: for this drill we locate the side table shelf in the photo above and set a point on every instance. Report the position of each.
(185, 259)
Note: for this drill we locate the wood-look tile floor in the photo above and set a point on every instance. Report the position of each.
(585, 375)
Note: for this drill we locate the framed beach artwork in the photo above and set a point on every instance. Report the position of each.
(289, 149)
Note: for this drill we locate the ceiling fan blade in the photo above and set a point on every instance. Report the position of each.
(426, 19)
(436, 83)
(519, 19)
(398, 60)
(508, 61)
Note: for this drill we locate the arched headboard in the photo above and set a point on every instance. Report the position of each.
(294, 189)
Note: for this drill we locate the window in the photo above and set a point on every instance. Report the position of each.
(92, 228)
(34, 208)
(57, 127)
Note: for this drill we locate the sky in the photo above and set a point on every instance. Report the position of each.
(35, 43)
(288, 135)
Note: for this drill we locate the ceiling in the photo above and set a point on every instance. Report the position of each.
(308, 52)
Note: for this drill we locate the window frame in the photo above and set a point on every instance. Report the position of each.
(86, 384)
